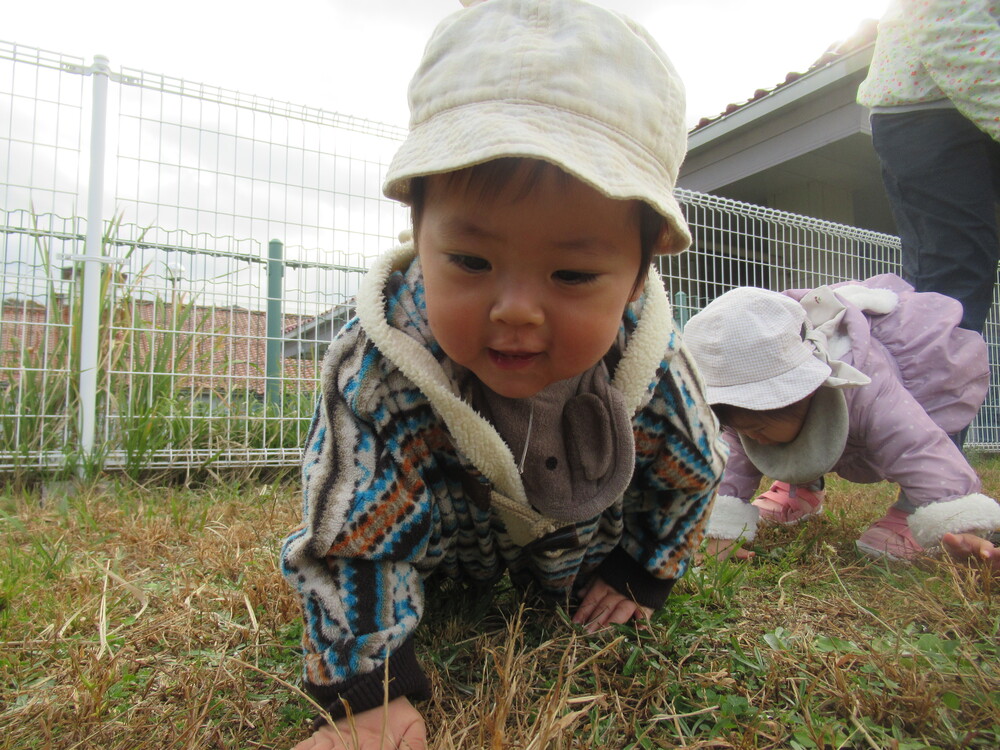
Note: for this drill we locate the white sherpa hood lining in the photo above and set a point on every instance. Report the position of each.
(474, 436)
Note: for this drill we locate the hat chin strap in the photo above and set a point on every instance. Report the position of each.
(814, 451)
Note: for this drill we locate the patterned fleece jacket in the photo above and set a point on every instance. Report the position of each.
(402, 477)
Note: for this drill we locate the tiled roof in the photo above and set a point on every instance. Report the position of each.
(864, 36)
(219, 349)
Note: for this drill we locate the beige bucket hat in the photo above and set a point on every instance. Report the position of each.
(563, 81)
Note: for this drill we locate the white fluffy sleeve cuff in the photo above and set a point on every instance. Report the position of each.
(973, 514)
(732, 519)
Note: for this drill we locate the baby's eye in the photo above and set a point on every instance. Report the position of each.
(469, 263)
(574, 277)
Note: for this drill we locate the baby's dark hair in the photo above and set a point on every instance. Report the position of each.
(728, 414)
(489, 179)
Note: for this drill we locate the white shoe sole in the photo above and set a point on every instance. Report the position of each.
(878, 554)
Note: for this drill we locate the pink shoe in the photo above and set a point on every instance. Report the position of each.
(787, 504)
(890, 537)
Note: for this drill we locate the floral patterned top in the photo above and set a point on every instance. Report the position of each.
(932, 51)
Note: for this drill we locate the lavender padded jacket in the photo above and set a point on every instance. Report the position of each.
(928, 378)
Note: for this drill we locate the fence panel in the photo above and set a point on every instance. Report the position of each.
(43, 113)
(199, 182)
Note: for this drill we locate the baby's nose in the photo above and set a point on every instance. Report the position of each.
(517, 304)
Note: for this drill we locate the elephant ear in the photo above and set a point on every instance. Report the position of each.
(589, 435)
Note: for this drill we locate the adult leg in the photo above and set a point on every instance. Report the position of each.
(941, 176)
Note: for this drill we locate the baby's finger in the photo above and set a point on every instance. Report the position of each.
(584, 611)
(956, 544)
(992, 555)
(611, 613)
(642, 613)
(622, 613)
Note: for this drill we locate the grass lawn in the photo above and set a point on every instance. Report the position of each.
(155, 617)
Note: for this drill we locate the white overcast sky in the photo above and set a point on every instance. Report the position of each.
(356, 56)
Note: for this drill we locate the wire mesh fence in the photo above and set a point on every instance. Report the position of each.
(235, 232)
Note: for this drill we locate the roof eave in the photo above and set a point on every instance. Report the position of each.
(810, 84)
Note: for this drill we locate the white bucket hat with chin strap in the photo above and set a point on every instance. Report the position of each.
(756, 349)
(759, 350)
(561, 81)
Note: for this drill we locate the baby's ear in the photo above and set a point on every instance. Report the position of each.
(637, 292)
(667, 241)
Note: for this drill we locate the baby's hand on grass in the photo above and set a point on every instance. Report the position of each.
(723, 548)
(971, 547)
(398, 725)
(603, 605)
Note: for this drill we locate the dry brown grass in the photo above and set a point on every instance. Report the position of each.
(142, 617)
(147, 627)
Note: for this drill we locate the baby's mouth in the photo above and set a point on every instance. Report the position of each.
(511, 358)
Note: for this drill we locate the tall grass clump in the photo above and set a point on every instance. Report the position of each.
(148, 405)
(36, 402)
(146, 408)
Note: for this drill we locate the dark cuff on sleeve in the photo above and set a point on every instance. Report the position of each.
(629, 578)
(368, 690)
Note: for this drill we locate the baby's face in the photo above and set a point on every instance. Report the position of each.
(526, 290)
(766, 431)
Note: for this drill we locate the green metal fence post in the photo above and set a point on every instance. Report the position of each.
(682, 313)
(275, 321)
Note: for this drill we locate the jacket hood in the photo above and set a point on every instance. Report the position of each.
(411, 350)
(943, 366)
